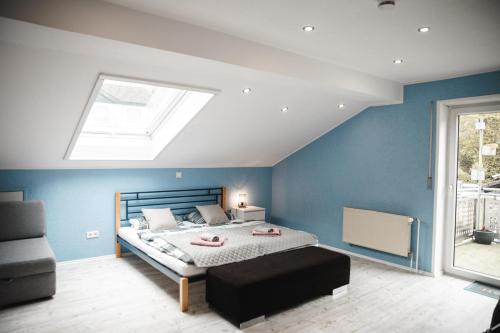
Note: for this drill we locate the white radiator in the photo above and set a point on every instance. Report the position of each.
(380, 231)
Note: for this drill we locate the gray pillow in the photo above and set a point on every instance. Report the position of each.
(159, 219)
(213, 214)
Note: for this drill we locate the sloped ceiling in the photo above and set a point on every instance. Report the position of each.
(52, 52)
(354, 33)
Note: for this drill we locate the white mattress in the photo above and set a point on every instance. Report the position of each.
(130, 235)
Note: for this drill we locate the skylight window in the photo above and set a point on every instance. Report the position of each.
(129, 119)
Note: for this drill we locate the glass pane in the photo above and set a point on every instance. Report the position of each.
(129, 108)
(134, 120)
(477, 230)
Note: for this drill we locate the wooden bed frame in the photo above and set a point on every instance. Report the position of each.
(182, 202)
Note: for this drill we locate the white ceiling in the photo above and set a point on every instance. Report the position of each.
(51, 54)
(464, 37)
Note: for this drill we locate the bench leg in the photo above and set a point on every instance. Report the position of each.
(251, 322)
(340, 291)
(184, 294)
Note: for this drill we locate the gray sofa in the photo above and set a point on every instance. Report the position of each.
(27, 263)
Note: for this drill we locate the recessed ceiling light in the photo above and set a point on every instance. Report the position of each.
(424, 29)
(341, 105)
(246, 90)
(308, 28)
(285, 109)
(398, 61)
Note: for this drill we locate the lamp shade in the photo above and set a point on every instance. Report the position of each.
(242, 200)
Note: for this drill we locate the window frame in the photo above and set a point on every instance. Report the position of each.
(164, 115)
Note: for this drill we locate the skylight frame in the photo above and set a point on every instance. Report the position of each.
(95, 92)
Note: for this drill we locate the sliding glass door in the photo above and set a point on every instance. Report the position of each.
(474, 202)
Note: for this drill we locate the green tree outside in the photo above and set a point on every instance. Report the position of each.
(468, 145)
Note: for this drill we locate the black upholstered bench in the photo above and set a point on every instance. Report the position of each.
(250, 289)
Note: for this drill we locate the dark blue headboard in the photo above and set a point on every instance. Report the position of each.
(183, 201)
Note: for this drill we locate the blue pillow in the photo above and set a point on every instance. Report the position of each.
(195, 217)
(179, 218)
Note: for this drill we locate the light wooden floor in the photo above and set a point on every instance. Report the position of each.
(127, 295)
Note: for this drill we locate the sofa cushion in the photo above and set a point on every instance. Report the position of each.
(21, 219)
(25, 257)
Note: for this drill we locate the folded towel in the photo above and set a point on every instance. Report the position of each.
(206, 236)
(262, 229)
(274, 232)
(201, 242)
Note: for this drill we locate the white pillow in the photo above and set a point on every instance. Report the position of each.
(159, 219)
(213, 214)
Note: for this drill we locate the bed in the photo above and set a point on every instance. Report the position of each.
(129, 205)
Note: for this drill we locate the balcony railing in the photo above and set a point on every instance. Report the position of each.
(476, 207)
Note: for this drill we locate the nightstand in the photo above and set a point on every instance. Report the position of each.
(250, 213)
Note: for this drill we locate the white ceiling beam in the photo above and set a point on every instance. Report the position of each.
(119, 23)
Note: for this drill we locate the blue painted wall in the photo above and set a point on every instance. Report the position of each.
(376, 160)
(78, 201)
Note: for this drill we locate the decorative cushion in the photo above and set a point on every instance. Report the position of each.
(213, 214)
(139, 223)
(179, 218)
(195, 217)
(159, 219)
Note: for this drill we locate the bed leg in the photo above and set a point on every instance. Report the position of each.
(118, 216)
(184, 294)
(118, 250)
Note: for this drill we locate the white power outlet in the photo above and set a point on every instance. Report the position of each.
(178, 174)
(93, 234)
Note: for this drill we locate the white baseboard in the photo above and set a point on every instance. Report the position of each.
(349, 253)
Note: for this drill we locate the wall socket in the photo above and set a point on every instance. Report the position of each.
(178, 174)
(93, 234)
